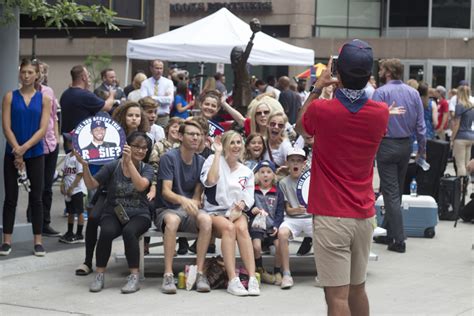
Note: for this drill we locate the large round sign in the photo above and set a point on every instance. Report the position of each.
(98, 140)
(302, 188)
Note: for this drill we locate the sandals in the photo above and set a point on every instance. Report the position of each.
(83, 269)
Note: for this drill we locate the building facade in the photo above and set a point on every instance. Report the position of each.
(433, 38)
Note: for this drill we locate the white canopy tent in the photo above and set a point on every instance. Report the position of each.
(211, 40)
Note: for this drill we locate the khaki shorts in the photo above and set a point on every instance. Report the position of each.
(342, 247)
(188, 224)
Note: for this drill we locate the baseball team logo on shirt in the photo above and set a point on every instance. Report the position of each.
(243, 182)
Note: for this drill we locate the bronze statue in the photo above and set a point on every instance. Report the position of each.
(242, 91)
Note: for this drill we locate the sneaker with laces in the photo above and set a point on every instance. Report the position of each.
(98, 284)
(278, 278)
(5, 249)
(286, 282)
(265, 276)
(67, 238)
(168, 286)
(78, 239)
(235, 287)
(202, 284)
(133, 284)
(39, 251)
(254, 287)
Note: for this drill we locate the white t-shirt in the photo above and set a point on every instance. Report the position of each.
(156, 133)
(454, 101)
(71, 167)
(231, 187)
(279, 154)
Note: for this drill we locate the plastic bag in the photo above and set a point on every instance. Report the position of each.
(191, 273)
(233, 213)
(260, 222)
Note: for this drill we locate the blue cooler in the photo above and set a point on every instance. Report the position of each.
(420, 215)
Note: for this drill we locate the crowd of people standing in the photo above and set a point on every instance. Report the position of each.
(184, 168)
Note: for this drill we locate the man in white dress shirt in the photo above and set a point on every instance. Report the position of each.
(160, 89)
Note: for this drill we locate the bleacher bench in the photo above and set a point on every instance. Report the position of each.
(154, 257)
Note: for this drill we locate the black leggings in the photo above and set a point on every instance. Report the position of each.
(110, 228)
(93, 222)
(35, 171)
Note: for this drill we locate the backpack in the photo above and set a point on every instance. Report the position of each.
(215, 271)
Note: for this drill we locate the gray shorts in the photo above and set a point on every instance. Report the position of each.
(188, 224)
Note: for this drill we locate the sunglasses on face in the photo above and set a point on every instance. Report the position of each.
(266, 113)
(280, 125)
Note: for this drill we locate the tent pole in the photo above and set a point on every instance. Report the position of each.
(127, 66)
(202, 77)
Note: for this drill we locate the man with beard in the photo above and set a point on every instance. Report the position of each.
(396, 147)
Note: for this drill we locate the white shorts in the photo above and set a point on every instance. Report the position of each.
(299, 227)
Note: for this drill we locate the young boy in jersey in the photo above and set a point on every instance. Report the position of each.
(269, 201)
(73, 189)
(297, 222)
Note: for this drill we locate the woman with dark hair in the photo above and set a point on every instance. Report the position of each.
(181, 106)
(125, 211)
(255, 149)
(430, 110)
(25, 117)
(131, 117)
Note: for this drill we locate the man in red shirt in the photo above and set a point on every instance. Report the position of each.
(347, 131)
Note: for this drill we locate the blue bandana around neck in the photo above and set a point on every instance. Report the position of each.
(353, 100)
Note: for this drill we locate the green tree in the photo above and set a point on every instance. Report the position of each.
(59, 14)
(95, 64)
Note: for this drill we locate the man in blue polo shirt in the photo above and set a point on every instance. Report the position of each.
(396, 147)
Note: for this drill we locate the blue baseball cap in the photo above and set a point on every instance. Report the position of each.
(463, 83)
(355, 59)
(265, 163)
(97, 124)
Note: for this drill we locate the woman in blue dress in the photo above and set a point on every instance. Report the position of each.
(25, 116)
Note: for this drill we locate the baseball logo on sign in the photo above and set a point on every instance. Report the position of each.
(302, 188)
(98, 140)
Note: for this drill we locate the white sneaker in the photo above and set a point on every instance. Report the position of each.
(254, 287)
(317, 282)
(235, 287)
(286, 282)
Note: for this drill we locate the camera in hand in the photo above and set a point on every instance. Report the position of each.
(334, 66)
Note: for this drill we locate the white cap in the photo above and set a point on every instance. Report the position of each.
(296, 152)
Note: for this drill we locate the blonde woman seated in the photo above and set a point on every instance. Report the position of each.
(229, 192)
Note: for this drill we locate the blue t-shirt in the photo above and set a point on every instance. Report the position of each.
(466, 123)
(25, 122)
(77, 104)
(184, 177)
(179, 99)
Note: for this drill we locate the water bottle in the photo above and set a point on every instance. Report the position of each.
(414, 149)
(413, 187)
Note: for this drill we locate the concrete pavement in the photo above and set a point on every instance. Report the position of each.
(434, 277)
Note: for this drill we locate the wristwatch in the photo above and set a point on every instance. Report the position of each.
(315, 90)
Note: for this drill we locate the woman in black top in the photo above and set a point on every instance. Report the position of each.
(127, 182)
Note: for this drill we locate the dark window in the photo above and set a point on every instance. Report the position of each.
(276, 30)
(439, 76)
(453, 14)
(408, 13)
(128, 9)
(416, 72)
(457, 74)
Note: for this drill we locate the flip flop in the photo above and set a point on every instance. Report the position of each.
(83, 269)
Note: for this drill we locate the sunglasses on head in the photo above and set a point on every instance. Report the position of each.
(262, 113)
(280, 125)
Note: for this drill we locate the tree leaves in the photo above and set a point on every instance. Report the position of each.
(60, 14)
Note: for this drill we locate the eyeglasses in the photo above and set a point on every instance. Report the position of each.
(139, 149)
(262, 113)
(273, 124)
(193, 134)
